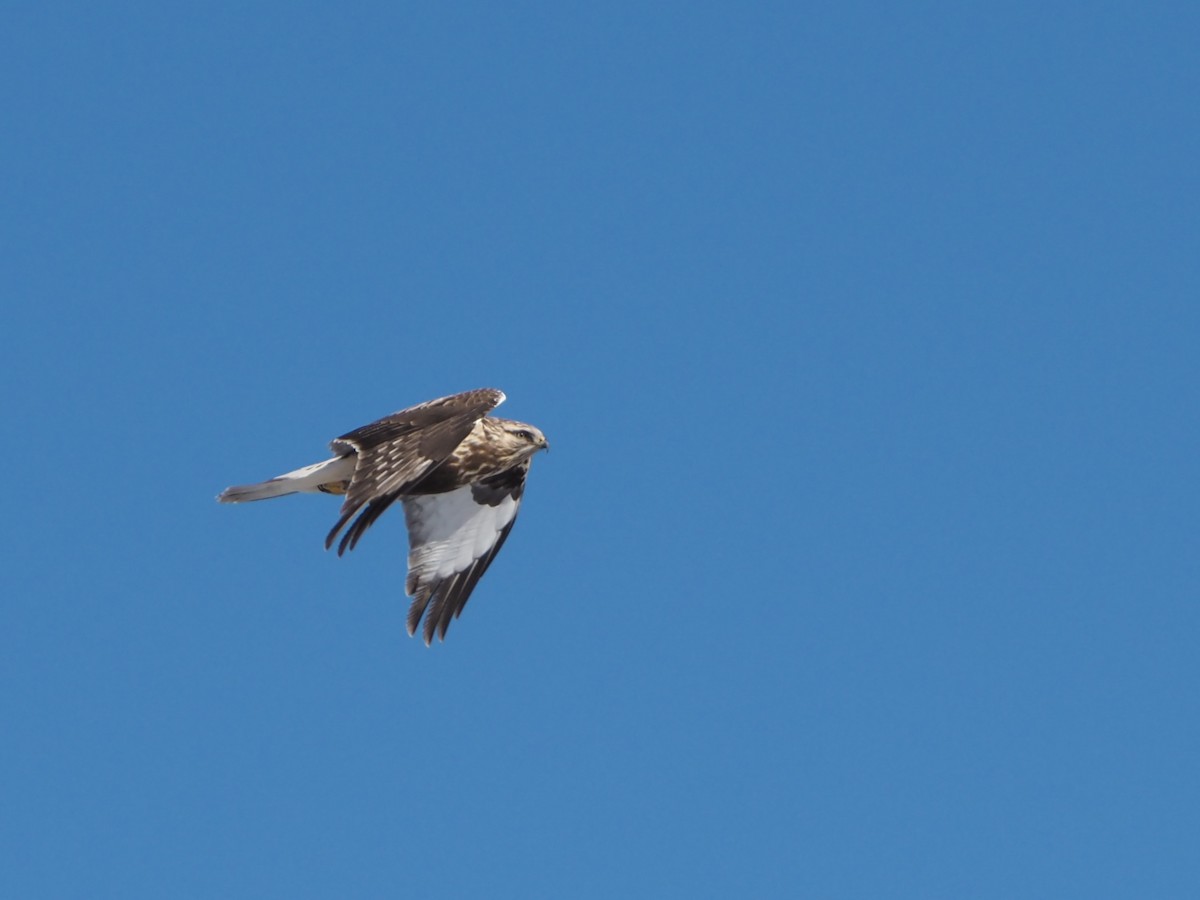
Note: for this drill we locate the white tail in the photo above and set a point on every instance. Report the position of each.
(331, 472)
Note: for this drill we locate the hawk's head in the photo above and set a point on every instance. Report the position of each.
(516, 440)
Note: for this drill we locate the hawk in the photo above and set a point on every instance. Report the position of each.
(459, 474)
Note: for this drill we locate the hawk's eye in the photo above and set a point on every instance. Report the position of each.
(523, 434)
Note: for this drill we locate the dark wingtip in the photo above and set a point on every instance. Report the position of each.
(338, 526)
(415, 610)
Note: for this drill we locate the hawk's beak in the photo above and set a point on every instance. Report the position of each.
(545, 445)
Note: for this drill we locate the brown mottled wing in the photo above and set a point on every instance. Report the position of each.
(453, 538)
(398, 450)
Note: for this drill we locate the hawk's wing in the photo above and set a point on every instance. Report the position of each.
(398, 450)
(453, 538)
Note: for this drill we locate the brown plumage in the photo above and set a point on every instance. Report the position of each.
(460, 475)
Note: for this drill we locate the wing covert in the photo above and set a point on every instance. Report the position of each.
(396, 451)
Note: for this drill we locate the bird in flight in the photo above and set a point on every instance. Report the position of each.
(459, 474)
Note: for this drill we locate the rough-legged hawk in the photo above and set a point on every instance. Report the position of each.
(460, 474)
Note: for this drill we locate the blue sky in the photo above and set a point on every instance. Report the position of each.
(865, 561)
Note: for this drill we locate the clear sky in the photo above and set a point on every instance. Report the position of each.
(865, 563)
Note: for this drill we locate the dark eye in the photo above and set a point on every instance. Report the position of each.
(525, 435)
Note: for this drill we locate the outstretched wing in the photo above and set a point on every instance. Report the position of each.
(399, 450)
(453, 538)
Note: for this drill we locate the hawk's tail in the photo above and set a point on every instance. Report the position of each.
(330, 477)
